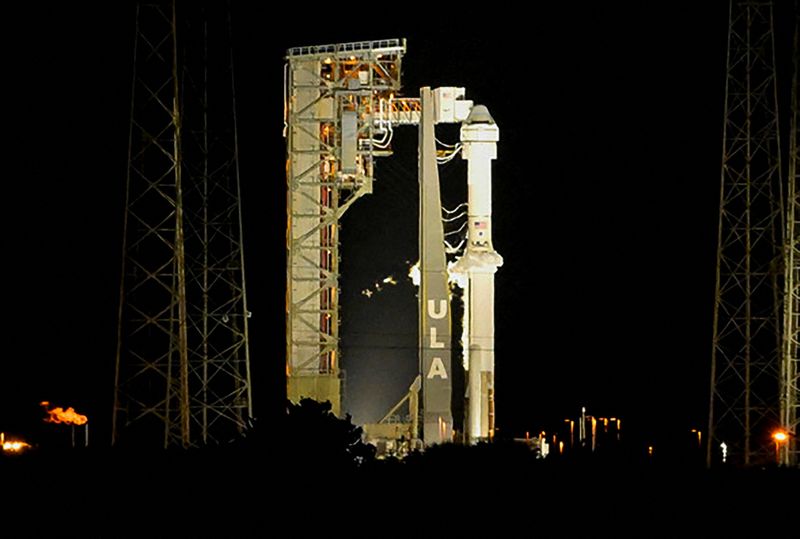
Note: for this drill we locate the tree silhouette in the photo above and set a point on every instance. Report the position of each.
(313, 431)
(309, 436)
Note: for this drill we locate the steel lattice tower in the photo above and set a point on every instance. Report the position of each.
(746, 347)
(182, 366)
(332, 96)
(790, 373)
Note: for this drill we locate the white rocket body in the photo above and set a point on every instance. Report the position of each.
(479, 136)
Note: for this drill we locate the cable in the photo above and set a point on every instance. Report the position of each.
(454, 250)
(450, 212)
(387, 139)
(445, 144)
(459, 229)
(447, 159)
(455, 218)
(385, 125)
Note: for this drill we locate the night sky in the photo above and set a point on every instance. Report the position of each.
(605, 206)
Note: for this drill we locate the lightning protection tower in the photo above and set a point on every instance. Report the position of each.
(332, 98)
(182, 367)
(789, 451)
(745, 360)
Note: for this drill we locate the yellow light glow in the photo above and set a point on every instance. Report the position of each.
(780, 436)
(699, 435)
(14, 446)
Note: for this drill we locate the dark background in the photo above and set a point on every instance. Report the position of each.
(605, 205)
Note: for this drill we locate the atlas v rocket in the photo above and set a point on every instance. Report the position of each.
(337, 97)
(479, 136)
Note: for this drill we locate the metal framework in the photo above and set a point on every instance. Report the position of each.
(745, 359)
(182, 364)
(789, 453)
(332, 97)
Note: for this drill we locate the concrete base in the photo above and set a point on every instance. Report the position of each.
(320, 387)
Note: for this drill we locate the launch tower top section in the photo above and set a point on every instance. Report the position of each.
(356, 48)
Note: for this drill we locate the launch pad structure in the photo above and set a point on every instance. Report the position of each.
(182, 374)
(340, 111)
(332, 93)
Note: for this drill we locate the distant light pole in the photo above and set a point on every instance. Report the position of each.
(571, 432)
(582, 426)
(699, 437)
(544, 448)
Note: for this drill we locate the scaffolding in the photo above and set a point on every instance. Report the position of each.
(788, 451)
(745, 363)
(182, 373)
(332, 97)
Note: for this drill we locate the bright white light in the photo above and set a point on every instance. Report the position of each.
(455, 277)
(780, 436)
(724, 448)
(14, 446)
(414, 274)
(378, 286)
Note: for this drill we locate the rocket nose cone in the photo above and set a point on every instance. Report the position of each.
(479, 115)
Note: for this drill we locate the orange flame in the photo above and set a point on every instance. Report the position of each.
(68, 416)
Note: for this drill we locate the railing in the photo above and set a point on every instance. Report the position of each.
(344, 48)
(398, 111)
